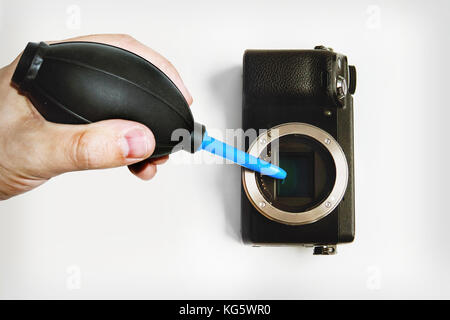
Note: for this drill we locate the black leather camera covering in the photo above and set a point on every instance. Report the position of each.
(281, 86)
(288, 77)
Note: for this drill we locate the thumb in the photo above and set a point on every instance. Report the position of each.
(103, 144)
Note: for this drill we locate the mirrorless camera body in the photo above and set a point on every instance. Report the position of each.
(302, 99)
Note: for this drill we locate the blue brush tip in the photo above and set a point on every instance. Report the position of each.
(268, 169)
(281, 174)
(241, 158)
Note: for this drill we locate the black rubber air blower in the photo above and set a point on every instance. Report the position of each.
(83, 82)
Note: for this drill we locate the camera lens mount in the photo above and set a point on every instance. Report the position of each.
(268, 207)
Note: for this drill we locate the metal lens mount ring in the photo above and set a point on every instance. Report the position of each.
(304, 217)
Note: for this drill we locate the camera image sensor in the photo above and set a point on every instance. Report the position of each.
(311, 173)
(300, 175)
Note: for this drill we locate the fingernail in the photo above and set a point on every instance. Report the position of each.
(137, 144)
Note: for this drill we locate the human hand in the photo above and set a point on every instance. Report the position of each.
(33, 150)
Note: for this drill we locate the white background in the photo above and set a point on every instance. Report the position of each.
(105, 234)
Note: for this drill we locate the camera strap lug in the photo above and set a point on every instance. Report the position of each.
(325, 250)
